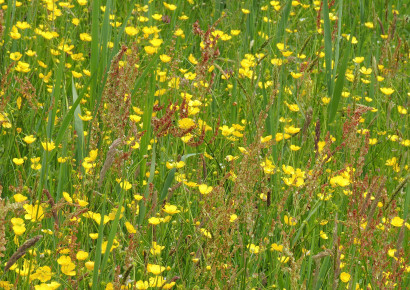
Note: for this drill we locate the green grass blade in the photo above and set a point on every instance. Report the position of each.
(283, 22)
(338, 39)
(113, 232)
(98, 254)
(170, 178)
(95, 48)
(78, 126)
(324, 268)
(334, 103)
(328, 48)
(66, 122)
(150, 179)
(311, 212)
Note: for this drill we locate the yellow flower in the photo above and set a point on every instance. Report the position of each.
(125, 185)
(397, 221)
(205, 189)
(157, 281)
(76, 74)
(165, 58)
(266, 139)
(292, 130)
(283, 259)
(276, 247)
(292, 107)
(401, 110)
(392, 253)
(294, 147)
(154, 221)
(178, 164)
(43, 274)
(168, 285)
(131, 31)
(345, 277)
(82, 202)
(18, 161)
(233, 218)
(276, 61)
(253, 249)
(48, 146)
(130, 228)
(89, 265)
(289, 220)
(93, 236)
(18, 197)
(85, 37)
(387, 91)
(64, 260)
(68, 269)
(287, 53)
(23, 67)
(171, 209)
(186, 123)
(339, 180)
(34, 213)
(296, 75)
(372, 141)
(48, 286)
(206, 233)
(192, 59)
(358, 59)
(323, 235)
(156, 249)
(354, 39)
(171, 7)
(325, 100)
(245, 11)
(15, 55)
(81, 255)
(67, 197)
(142, 285)
(155, 269)
(365, 71)
(18, 226)
(115, 244)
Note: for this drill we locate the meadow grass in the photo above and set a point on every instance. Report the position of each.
(204, 144)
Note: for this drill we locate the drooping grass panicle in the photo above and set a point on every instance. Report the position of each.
(21, 251)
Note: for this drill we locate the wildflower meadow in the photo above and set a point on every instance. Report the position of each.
(204, 144)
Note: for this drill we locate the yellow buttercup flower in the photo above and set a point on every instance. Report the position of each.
(48, 146)
(205, 189)
(397, 221)
(233, 218)
(18, 161)
(290, 221)
(154, 221)
(387, 91)
(18, 226)
(130, 228)
(155, 269)
(171, 7)
(81, 255)
(171, 209)
(345, 277)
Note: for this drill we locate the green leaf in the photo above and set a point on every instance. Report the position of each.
(78, 126)
(328, 48)
(311, 212)
(334, 103)
(150, 179)
(170, 178)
